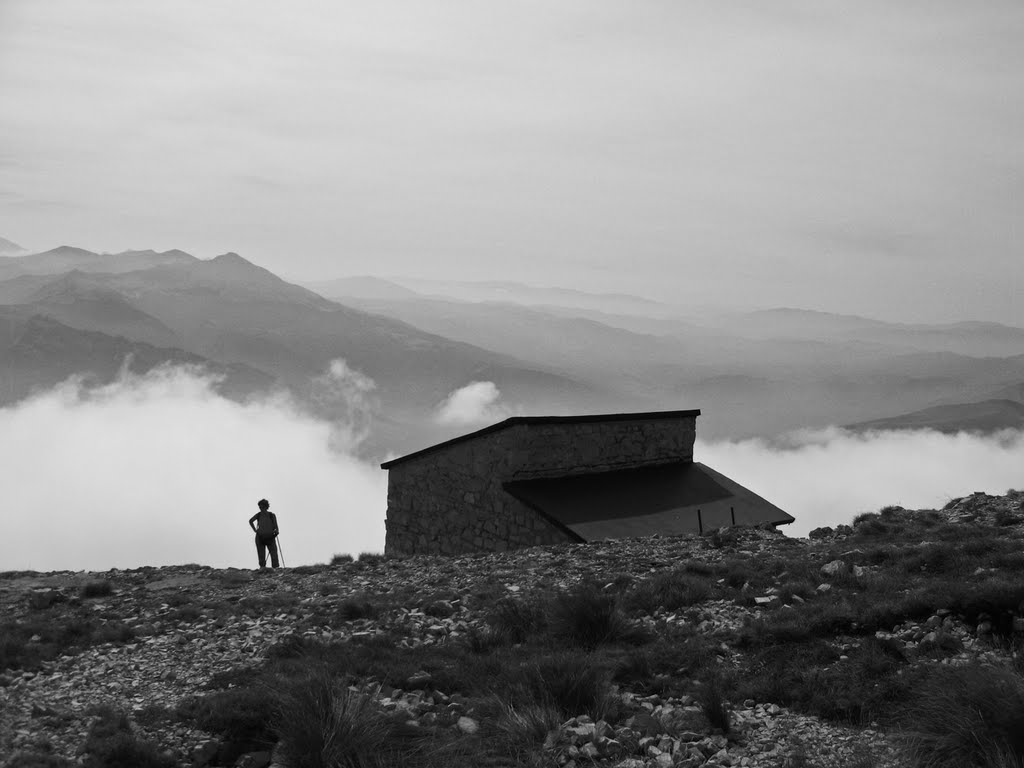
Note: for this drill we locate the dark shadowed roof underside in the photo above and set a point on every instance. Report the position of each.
(644, 501)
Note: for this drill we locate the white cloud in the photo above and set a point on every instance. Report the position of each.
(826, 477)
(159, 469)
(475, 403)
(346, 397)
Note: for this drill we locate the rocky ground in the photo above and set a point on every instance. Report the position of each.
(155, 637)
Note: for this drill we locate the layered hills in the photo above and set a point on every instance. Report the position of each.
(547, 350)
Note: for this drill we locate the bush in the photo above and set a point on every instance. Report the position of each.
(291, 646)
(524, 726)
(587, 617)
(320, 724)
(40, 601)
(96, 589)
(713, 704)
(342, 559)
(354, 608)
(870, 524)
(570, 683)
(968, 716)
(369, 558)
(663, 666)
(668, 591)
(934, 558)
(483, 639)
(240, 715)
(515, 620)
(111, 743)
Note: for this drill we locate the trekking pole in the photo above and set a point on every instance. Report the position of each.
(280, 550)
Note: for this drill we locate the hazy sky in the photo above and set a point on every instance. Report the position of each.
(860, 157)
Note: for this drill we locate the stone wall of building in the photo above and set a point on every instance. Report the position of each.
(451, 500)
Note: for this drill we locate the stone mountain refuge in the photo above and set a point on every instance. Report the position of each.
(532, 480)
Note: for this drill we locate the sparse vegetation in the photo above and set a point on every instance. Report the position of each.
(320, 724)
(872, 644)
(967, 716)
(112, 743)
(587, 617)
(95, 589)
(355, 608)
(668, 591)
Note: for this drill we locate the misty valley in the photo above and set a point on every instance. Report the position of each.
(414, 344)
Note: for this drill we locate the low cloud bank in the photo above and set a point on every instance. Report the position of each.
(158, 469)
(826, 477)
(475, 403)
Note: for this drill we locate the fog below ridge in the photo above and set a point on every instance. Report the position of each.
(159, 469)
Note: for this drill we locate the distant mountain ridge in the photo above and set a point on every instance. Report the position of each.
(38, 352)
(232, 311)
(8, 247)
(984, 417)
(548, 350)
(66, 257)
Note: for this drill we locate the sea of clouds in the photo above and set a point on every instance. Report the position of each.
(159, 469)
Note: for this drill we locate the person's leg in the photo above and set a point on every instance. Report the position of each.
(272, 546)
(261, 551)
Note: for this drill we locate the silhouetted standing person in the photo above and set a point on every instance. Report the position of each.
(264, 524)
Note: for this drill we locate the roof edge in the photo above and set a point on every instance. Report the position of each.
(514, 420)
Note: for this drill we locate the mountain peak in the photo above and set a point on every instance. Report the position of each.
(7, 246)
(69, 251)
(230, 257)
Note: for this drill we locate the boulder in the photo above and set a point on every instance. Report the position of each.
(835, 568)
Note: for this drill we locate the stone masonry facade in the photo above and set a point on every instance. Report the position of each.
(450, 499)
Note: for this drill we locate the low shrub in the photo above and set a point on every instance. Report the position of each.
(667, 591)
(320, 724)
(526, 725)
(713, 703)
(342, 559)
(870, 684)
(664, 665)
(515, 619)
(291, 646)
(587, 617)
(484, 639)
(440, 609)
(55, 636)
(240, 715)
(354, 608)
(934, 558)
(370, 558)
(803, 589)
(47, 598)
(967, 716)
(96, 589)
(190, 613)
(569, 683)
(310, 570)
(111, 743)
